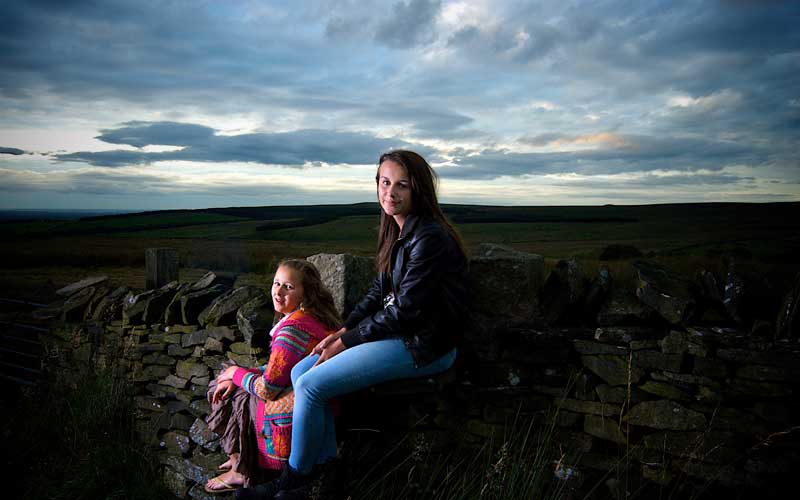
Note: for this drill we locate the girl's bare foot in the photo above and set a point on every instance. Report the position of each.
(227, 481)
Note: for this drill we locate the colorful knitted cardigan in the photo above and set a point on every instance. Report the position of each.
(272, 384)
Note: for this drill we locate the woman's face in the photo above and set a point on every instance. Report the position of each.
(394, 190)
(287, 290)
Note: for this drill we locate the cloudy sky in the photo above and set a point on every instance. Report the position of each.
(140, 104)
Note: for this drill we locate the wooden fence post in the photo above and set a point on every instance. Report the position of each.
(161, 267)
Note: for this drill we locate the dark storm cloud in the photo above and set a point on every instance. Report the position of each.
(11, 151)
(410, 23)
(637, 154)
(200, 143)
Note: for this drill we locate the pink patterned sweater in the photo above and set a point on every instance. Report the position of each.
(272, 384)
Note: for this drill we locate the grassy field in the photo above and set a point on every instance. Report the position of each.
(42, 255)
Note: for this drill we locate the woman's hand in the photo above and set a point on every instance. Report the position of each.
(330, 339)
(227, 373)
(330, 351)
(223, 390)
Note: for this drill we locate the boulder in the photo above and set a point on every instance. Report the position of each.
(80, 285)
(666, 291)
(193, 303)
(222, 311)
(347, 277)
(255, 321)
(787, 325)
(564, 292)
(620, 252)
(498, 271)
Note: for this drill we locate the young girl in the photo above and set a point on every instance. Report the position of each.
(406, 326)
(251, 409)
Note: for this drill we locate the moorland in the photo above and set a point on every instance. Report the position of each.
(39, 255)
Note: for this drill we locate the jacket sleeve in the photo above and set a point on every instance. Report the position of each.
(371, 302)
(288, 348)
(424, 269)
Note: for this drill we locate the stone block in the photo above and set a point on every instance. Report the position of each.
(604, 428)
(665, 390)
(709, 367)
(655, 360)
(619, 394)
(667, 292)
(194, 338)
(222, 310)
(176, 442)
(501, 271)
(188, 369)
(348, 277)
(590, 407)
(678, 342)
(588, 347)
(615, 370)
(761, 373)
(664, 414)
(203, 436)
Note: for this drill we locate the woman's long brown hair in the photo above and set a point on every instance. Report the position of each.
(424, 202)
(317, 299)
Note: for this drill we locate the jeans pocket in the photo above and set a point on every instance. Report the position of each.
(281, 439)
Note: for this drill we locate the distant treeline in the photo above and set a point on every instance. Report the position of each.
(297, 216)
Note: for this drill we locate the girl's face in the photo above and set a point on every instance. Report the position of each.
(394, 190)
(287, 290)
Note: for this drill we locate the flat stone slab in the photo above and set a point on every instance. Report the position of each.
(79, 285)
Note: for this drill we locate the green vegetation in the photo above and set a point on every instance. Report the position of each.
(253, 239)
(518, 467)
(78, 443)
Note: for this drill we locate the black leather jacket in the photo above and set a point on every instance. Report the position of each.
(430, 303)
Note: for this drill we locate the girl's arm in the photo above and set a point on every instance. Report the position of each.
(288, 348)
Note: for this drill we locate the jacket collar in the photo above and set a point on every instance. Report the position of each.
(409, 225)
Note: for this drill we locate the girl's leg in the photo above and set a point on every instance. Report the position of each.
(351, 370)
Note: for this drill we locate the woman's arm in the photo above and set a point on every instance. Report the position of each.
(372, 301)
(427, 262)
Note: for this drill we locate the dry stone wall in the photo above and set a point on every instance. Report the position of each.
(632, 382)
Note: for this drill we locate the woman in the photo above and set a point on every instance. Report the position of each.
(251, 409)
(406, 326)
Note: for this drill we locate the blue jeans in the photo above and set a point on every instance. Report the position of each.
(313, 432)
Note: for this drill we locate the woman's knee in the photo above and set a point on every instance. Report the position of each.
(300, 368)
